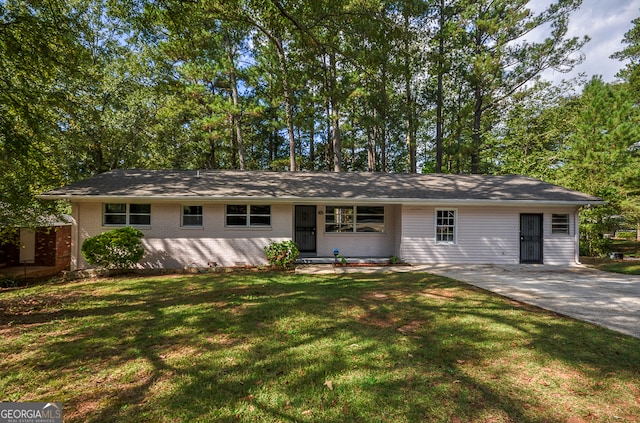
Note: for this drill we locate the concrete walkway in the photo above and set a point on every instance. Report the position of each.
(606, 299)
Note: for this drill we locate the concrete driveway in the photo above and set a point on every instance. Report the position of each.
(606, 299)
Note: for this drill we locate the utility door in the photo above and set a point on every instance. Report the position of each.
(530, 238)
(305, 224)
(27, 245)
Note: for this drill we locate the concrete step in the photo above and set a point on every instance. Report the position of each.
(331, 260)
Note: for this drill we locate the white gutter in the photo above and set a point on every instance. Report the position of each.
(313, 200)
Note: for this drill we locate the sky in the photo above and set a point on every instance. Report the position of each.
(606, 22)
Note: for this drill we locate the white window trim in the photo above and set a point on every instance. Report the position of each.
(355, 220)
(127, 214)
(455, 226)
(182, 225)
(568, 232)
(248, 214)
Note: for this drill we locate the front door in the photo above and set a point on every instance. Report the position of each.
(305, 225)
(530, 238)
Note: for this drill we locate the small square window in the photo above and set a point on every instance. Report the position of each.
(560, 224)
(370, 219)
(139, 214)
(339, 219)
(115, 214)
(191, 215)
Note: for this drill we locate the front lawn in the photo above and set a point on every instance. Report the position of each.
(282, 347)
(629, 248)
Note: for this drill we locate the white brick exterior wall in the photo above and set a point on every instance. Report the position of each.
(358, 244)
(484, 235)
(169, 245)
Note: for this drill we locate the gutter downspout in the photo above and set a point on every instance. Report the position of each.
(577, 235)
(75, 237)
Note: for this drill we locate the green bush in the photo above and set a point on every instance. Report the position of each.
(116, 249)
(594, 245)
(282, 254)
(11, 282)
(626, 235)
(594, 223)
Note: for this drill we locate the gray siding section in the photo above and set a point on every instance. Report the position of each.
(485, 235)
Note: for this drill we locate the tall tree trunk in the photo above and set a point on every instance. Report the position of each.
(371, 150)
(237, 113)
(458, 139)
(272, 145)
(409, 102)
(98, 157)
(476, 136)
(211, 160)
(234, 143)
(237, 120)
(376, 140)
(312, 143)
(335, 115)
(440, 90)
(288, 108)
(383, 123)
(328, 152)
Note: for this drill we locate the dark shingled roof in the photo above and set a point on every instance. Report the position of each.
(315, 186)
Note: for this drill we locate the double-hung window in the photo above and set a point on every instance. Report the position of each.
(248, 215)
(340, 219)
(446, 226)
(123, 214)
(192, 216)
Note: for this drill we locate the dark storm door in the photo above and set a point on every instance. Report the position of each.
(306, 228)
(530, 238)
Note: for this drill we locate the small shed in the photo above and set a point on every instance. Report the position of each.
(48, 245)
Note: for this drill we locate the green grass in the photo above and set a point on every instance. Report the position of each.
(273, 347)
(614, 266)
(630, 249)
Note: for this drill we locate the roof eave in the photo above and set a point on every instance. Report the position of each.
(314, 200)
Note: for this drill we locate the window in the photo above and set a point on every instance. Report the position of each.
(560, 224)
(139, 214)
(340, 219)
(122, 214)
(191, 215)
(369, 219)
(115, 214)
(446, 226)
(244, 215)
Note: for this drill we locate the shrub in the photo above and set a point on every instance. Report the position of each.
(594, 223)
(594, 245)
(626, 235)
(116, 249)
(282, 254)
(11, 282)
